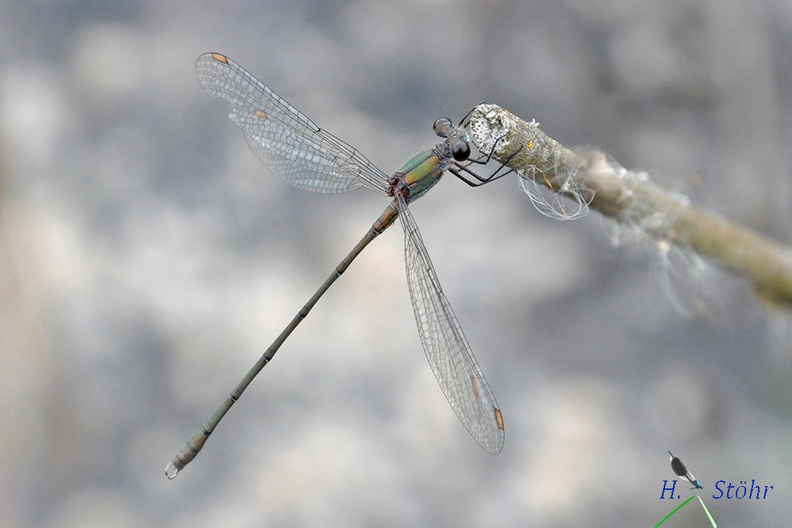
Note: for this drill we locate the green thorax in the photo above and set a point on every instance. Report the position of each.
(422, 172)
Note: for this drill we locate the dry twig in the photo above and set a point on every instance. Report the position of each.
(592, 179)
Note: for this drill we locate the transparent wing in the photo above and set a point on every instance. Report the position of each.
(285, 140)
(445, 345)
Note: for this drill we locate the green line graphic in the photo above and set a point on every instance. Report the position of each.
(712, 521)
(675, 510)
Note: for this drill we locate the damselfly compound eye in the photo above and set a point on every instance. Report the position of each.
(442, 126)
(460, 151)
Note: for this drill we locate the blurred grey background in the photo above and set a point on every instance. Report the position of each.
(147, 259)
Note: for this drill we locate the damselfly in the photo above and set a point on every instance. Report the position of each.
(310, 158)
(680, 469)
